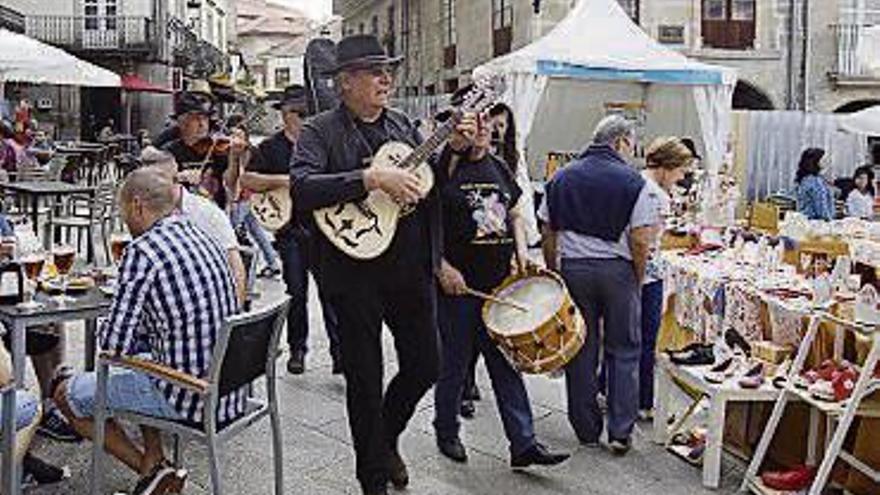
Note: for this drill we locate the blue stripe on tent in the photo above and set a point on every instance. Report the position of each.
(695, 77)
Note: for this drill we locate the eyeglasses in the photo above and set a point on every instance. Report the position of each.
(379, 70)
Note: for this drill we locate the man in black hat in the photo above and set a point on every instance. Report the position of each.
(269, 169)
(193, 149)
(330, 167)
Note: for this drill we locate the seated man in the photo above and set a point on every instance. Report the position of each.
(175, 290)
(202, 212)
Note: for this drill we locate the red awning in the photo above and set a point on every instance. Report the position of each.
(134, 83)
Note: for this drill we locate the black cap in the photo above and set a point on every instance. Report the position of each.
(361, 50)
(188, 102)
(293, 95)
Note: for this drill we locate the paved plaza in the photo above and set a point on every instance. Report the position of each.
(318, 456)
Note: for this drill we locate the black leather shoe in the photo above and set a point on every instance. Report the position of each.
(397, 471)
(467, 409)
(537, 455)
(453, 449)
(472, 393)
(296, 365)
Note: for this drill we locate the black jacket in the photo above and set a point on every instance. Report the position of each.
(327, 169)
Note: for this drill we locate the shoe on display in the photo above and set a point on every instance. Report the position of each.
(692, 355)
(721, 371)
(792, 480)
(735, 341)
(753, 377)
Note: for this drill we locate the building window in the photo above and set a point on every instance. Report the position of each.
(91, 14)
(282, 77)
(391, 34)
(450, 38)
(361, 28)
(631, 7)
(405, 39)
(502, 26)
(374, 26)
(110, 12)
(450, 85)
(729, 24)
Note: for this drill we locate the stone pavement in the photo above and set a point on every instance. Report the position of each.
(318, 456)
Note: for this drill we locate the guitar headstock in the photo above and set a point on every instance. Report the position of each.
(485, 93)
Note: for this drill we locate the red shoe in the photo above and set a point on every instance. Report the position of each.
(843, 384)
(797, 478)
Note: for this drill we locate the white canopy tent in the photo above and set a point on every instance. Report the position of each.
(865, 122)
(24, 59)
(559, 85)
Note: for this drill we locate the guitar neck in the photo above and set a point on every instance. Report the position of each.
(421, 153)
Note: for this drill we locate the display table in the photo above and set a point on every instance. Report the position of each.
(668, 376)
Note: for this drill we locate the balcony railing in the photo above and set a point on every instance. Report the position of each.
(11, 19)
(99, 33)
(850, 38)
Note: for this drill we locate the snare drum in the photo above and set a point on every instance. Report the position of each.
(544, 338)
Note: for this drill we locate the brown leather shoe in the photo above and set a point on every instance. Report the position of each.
(397, 471)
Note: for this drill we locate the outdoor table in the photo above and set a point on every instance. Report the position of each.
(89, 307)
(40, 188)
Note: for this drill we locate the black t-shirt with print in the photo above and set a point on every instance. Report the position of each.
(477, 228)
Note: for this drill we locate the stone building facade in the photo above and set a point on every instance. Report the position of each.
(790, 54)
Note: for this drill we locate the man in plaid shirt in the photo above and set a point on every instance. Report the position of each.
(175, 290)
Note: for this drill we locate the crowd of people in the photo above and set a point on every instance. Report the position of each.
(189, 203)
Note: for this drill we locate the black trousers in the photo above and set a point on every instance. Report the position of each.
(298, 258)
(377, 419)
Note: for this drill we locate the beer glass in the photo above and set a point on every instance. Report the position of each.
(33, 266)
(119, 241)
(64, 256)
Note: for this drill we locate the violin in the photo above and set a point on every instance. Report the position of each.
(211, 146)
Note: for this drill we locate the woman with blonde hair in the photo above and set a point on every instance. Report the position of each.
(667, 161)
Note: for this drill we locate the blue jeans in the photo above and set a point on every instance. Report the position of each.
(241, 214)
(461, 330)
(296, 260)
(126, 391)
(652, 308)
(606, 291)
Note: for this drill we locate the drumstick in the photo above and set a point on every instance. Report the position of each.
(499, 300)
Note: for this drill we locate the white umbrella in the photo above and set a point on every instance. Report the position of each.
(865, 122)
(24, 59)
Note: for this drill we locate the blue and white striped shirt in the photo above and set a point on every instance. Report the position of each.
(175, 290)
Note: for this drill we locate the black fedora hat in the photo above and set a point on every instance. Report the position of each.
(361, 50)
(294, 95)
(189, 102)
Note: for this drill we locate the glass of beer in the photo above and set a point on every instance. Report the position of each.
(64, 256)
(33, 266)
(118, 242)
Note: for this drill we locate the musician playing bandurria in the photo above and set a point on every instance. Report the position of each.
(397, 287)
(200, 156)
(483, 229)
(269, 169)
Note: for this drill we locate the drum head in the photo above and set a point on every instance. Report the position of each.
(543, 295)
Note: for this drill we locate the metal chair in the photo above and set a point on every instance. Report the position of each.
(254, 338)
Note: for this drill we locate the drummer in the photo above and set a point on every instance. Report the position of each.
(483, 228)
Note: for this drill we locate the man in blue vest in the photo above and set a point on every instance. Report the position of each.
(597, 232)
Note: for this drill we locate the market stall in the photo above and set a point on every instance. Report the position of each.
(793, 301)
(597, 58)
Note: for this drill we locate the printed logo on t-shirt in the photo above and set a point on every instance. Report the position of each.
(488, 207)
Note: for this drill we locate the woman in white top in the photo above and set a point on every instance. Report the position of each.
(860, 202)
(667, 161)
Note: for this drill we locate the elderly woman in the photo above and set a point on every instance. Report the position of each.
(814, 196)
